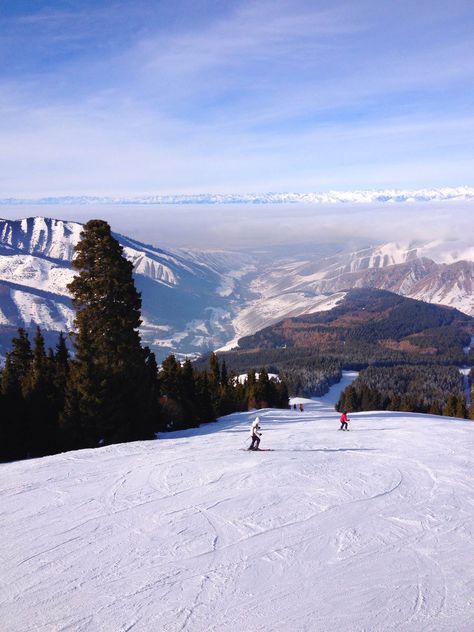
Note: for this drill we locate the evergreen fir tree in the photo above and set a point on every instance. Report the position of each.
(214, 377)
(236, 394)
(14, 439)
(370, 399)
(188, 387)
(170, 378)
(471, 382)
(224, 376)
(282, 400)
(13, 418)
(349, 400)
(205, 407)
(37, 367)
(395, 402)
(21, 357)
(214, 370)
(434, 409)
(7, 432)
(39, 395)
(228, 401)
(250, 388)
(108, 395)
(262, 389)
(61, 363)
(461, 409)
(60, 366)
(450, 407)
(154, 385)
(408, 403)
(178, 396)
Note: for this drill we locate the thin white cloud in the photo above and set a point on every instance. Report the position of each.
(264, 96)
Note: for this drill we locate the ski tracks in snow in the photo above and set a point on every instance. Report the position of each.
(364, 531)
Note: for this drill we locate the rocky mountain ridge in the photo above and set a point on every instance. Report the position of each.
(184, 303)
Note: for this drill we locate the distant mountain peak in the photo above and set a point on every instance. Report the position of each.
(357, 196)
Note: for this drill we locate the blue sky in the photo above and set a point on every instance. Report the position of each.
(150, 97)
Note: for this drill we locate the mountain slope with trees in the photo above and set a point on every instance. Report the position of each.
(371, 325)
(436, 390)
(110, 391)
(368, 327)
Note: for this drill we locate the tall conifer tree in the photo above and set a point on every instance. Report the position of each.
(109, 396)
(39, 395)
(14, 420)
(60, 364)
(20, 358)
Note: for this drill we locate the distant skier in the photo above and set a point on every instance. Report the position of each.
(255, 434)
(301, 408)
(344, 419)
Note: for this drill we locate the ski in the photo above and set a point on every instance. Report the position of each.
(258, 450)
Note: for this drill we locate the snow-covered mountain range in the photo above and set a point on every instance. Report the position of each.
(462, 193)
(436, 272)
(194, 300)
(186, 296)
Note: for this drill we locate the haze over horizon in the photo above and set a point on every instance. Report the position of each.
(246, 226)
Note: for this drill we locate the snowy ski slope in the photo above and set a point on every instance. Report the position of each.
(365, 531)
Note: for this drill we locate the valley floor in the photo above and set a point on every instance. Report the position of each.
(362, 531)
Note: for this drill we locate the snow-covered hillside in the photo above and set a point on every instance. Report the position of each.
(365, 531)
(435, 272)
(188, 298)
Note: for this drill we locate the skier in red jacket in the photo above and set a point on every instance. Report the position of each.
(343, 419)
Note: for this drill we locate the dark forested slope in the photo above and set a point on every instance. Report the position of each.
(368, 327)
(373, 326)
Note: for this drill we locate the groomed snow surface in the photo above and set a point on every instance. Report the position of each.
(361, 531)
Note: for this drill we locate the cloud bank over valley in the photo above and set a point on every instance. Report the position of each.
(241, 226)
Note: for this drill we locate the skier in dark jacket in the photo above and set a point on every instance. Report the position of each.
(343, 419)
